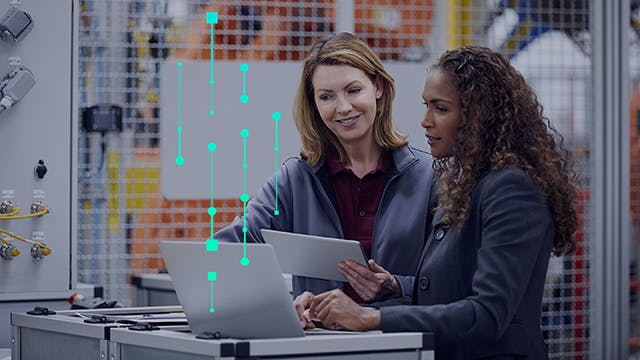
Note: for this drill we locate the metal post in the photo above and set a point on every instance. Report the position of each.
(345, 16)
(611, 221)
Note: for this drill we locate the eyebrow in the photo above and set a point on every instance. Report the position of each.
(346, 86)
(436, 100)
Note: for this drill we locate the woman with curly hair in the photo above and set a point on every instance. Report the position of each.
(506, 194)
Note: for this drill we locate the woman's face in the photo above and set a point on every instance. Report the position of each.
(444, 113)
(346, 100)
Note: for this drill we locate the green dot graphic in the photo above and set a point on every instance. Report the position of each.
(244, 261)
(212, 18)
(180, 160)
(211, 309)
(244, 67)
(212, 245)
(244, 197)
(244, 133)
(212, 147)
(179, 63)
(211, 211)
(212, 112)
(244, 99)
(276, 116)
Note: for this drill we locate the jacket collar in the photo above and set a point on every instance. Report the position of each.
(402, 159)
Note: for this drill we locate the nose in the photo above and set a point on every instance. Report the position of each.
(344, 106)
(427, 119)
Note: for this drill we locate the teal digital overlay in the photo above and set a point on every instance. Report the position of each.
(212, 19)
(244, 133)
(179, 158)
(212, 210)
(244, 98)
(212, 276)
(276, 118)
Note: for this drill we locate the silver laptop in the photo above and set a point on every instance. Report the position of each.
(313, 256)
(246, 302)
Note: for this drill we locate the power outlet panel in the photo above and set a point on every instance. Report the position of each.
(41, 130)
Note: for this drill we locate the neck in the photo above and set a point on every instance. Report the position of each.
(362, 159)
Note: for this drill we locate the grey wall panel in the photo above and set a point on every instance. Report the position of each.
(271, 87)
(40, 128)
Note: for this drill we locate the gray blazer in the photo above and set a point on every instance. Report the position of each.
(307, 205)
(479, 286)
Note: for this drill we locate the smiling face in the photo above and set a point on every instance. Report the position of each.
(346, 100)
(444, 113)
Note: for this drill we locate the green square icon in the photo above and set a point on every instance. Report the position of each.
(212, 245)
(212, 18)
(211, 276)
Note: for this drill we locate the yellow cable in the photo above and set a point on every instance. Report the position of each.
(45, 249)
(45, 210)
(13, 212)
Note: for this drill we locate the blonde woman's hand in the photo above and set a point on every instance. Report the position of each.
(337, 311)
(301, 305)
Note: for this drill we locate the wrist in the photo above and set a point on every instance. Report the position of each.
(371, 318)
(396, 290)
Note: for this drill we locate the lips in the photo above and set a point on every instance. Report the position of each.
(349, 121)
(432, 139)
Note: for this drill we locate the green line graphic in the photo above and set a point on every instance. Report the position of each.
(212, 19)
(244, 197)
(276, 118)
(244, 98)
(212, 244)
(179, 158)
(211, 276)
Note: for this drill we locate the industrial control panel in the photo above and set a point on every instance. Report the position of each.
(38, 151)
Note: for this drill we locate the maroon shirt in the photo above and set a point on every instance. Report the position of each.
(357, 200)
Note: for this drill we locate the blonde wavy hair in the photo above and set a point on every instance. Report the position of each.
(342, 49)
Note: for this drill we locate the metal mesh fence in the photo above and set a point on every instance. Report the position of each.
(122, 213)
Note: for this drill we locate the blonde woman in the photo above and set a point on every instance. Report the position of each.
(355, 178)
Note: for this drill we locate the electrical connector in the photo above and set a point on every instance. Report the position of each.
(15, 86)
(8, 251)
(39, 251)
(7, 207)
(38, 206)
(15, 24)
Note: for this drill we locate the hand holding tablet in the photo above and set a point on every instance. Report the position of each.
(313, 256)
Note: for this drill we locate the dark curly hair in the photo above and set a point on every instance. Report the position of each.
(502, 125)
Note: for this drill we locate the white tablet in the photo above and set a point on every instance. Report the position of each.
(313, 256)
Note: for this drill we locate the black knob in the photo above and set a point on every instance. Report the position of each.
(40, 169)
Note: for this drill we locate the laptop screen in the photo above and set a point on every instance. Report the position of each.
(237, 290)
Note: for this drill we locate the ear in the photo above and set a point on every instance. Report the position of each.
(379, 87)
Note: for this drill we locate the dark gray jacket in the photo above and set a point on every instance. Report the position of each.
(479, 287)
(307, 205)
